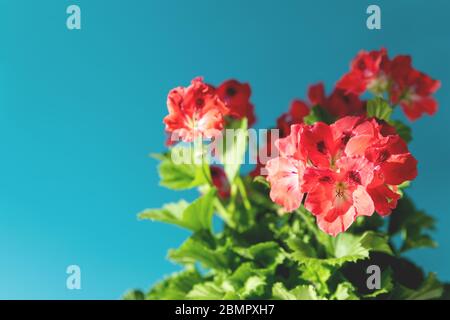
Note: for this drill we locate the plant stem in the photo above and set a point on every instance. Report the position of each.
(243, 192)
(224, 213)
(311, 226)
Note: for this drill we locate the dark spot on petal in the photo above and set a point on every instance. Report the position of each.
(326, 179)
(355, 177)
(383, 156)
(346, 136)
(231, 91)
(321, 147)
(200, 102)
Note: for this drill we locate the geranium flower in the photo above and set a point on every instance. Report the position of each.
(412, 89)
(195, 111)
(393, 161)
(236, 96)
(297, 111)
(285, 173)
(366, 72)
(346, 170)
(339, 103)
(338, 197)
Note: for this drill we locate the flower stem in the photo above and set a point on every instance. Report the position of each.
(305, 216)
(243, 192)
(224, 213)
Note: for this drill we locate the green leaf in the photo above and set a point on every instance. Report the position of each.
(234, 145)
(346, 247)
(180, 170)
(206, 291)
(134, 295)
(170, 213)
(317, 273)
(176, 286)
(431, 288)
(247, 281)
(345, 291)
(302, 292)
(196, 250)
(262, 180)
(254, 286)
(413, 225)
(317, 114)
(402, 130)
(195, 216)
(374, 241)
(379, 108)
(265, 254)
(199, 213)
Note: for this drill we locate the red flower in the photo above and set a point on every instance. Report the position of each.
(195, 111)
(366, 71)
(337, 198)
(338, 103)
(236, 96)
(412, 89)
(394, 162)
(347, 169)
(220, 181)
(297, 111)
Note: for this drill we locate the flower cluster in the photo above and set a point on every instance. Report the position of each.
(410, 88)
(200, 110)
(345, 170)
(333, 157)
(352, 167)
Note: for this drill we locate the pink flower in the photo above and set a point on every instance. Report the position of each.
(195, 111)
(338, 197)
(346, 170)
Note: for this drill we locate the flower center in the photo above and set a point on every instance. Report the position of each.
(340, 190)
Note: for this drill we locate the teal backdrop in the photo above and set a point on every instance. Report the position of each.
(81, 110)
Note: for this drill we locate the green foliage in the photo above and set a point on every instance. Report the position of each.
(318, 113)
(402, 130)
(431, 288)
(296, 263)
(195, 216)
(182, 169)
(379, 108)
(301, 292)
(413, 225)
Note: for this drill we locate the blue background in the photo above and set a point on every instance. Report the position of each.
(81, 110)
